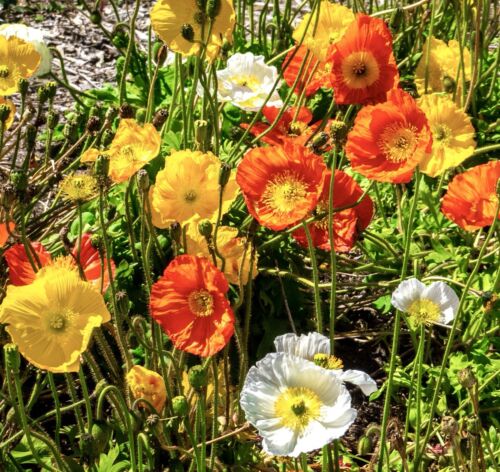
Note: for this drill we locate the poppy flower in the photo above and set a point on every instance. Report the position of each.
(281, 184)
(51, 320)
(5, 230)
(189, 302)
(443, 68)
(188, 187)
(18, 60)
(363, 64)
(180, 25)
(131, 149)
(315, 73)
(348, 223)
(452, 134)
(389, 139)
(147, 384)
(79, 187)
(471, 199)
(21, 271)
(324, 29)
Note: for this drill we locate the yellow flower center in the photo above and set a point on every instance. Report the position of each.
(441, 133)
(284, 192)
(59, 321)
(360, 69)
(201, 303)
(296, 407)
(190, 197)
(297, 128)
(424, 311)
(127, 152)
(398, 142)
(328, 362)
(4, 72)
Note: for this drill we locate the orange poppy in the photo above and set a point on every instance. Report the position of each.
(292, 124)
(5, 230)
(280, 184)
(315, 73)
(189, 302)
(471, 199)
(348, 223)
(363, 64)
(390, 139)
(21, 271)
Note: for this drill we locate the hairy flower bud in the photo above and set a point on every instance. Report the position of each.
(467, 378)
(160, 117)
(12, 358)
(180, 405)
(205, 228)
(143, 181)
(449, 426)
(4, 113)
(197, 377)
(224, 174)
(126, 111)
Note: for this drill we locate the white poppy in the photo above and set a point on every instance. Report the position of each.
(295, 405)
(311, 346)
(33, 36)
(247, 81)
(434, 303)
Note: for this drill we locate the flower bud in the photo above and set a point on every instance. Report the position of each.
(107, 137)
(111, 114)
(70, 131)
(120, 39)
(143, 181)
(43, 94)
(51, 88)
(126, 111)
(122, 301)
(466, 378)
(140, 116)
(205, 228)
(201, 131)
(30, 137)
(4, 113)
(176, 231)
(449, 84)
(160, 117)
(180, 406)
(12, 358)
(213, 8)
(197, 377)
(101, 432)
(102, 165)
(52, 119)
(224, 174)
(449, 426)
(187, 32)
(145, 383)
(160, 52)
(95, 17)
(365, 446)
(22, 86)
(474, 424)
(93, 124)
(19, 179)
(397, 18)
(319, 141)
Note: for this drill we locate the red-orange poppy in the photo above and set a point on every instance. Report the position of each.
(189, 302)
(471, 199)
(280, 184)
(389, 140)
(21, 271)
(315, 73)
(292, 124)
(5, 232)
(347, 223)
(363, 64)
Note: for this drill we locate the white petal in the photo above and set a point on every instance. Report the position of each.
(361, 379)
(443, 295)
(406, 293)
(305, 345)
(280, 442)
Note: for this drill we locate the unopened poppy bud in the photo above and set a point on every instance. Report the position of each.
(4, 113)
(102, 165)
(126, 111)
(319, 141)
(365, 446)
(201, 129)
(160, 52)
(187, 32)
(224, 174)
(467, 378)
(213, 8)
(205, 228)
(449, 426)
(70, 131)
(52, 119)
(180, 405)
(474, 425)
(95, 17)
(43, 94)
(111, 114)
(120, 39)
(30, 137)
(200, 17)
(51, 88)
(143, 180)
(160, 117)
(101, 432)
(449, 85)
(197, 377)
(107, 137)
(12, 358)
(147, 384)
(22, 86)
(93, 124)
(176, 231)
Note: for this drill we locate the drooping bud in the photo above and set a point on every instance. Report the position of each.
(205, 228)
(180, 405)
(365, 446)
(449, 85)
(197, 377)
(95, 17)
(93, 124)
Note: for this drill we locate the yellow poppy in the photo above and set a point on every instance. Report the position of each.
(131, 149)
(79, 187)
(452, 134)
(332, 22)
(12, 112)
(147, 384)
(18, 60)
(443, 68)
(51, 320)
(188, 187)
(229, 245)
(180, 24)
